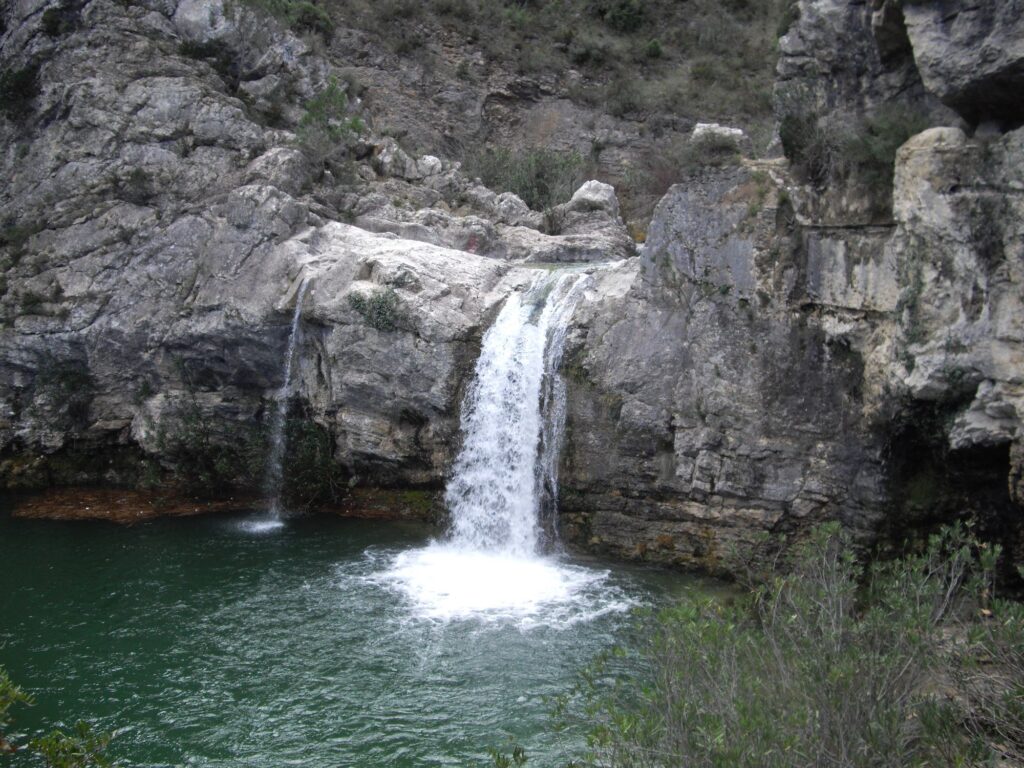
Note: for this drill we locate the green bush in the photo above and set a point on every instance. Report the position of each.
(829, 149)
(326, 129)
(621, 15)
(217, 54)
(300, 15)
(830, 665)
(379, 309)
(83, 748)
(306, 17)
(872, 149)
(542, 178)
(653, 50)
(312, 477)
(56, 22)
(209, 458)
(18, 88)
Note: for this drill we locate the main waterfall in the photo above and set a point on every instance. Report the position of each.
(491, 564)
(498, 479)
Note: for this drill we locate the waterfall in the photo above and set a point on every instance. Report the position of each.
(273, 475)
(512, 421)
(505, 476)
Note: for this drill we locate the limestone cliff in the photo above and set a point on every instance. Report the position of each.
(833, 334)
(831, 338)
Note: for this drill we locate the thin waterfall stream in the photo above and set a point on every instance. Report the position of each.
(492, 563)
(274, 471)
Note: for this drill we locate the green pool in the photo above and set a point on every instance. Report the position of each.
(204, 642)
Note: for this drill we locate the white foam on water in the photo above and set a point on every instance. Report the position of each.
(447, 582)
(260, 526)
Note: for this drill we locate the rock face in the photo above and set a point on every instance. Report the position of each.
(971, 55)
(790, 346)
(707, 410)
(156, 227)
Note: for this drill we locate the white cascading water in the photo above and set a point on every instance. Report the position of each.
(273, 472)
(512, 421)
(496, 486)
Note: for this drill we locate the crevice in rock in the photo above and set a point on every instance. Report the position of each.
(931, 485)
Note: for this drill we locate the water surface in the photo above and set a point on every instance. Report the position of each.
(209, 643)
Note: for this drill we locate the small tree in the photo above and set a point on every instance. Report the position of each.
(327, 130)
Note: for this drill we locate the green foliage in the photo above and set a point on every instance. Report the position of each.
(300, 15)
(18, 88)
(312, 477)
(66, 384)
(678, 160)
(653, 50)
(82, 748)
(825, 150)
(872, 149)
(790, 15)
(58, 21)
(10, 694)
(211, 459)
(217, 54)
(514, 759)
(326, 129)
(379, 309)
(543, 178)
(621, 15)
(827, 665)
(15, 237)
(137, 187)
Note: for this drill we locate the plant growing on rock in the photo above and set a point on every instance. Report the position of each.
(541, 178)
(82, 748)
(18, 89)
(327, 130)
(300, 15)
(378, 309)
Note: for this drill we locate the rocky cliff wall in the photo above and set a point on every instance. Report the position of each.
(817, 339)
(832, 335)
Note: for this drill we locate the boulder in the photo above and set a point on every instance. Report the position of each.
(971, 55)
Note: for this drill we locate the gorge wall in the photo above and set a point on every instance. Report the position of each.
(818, 336)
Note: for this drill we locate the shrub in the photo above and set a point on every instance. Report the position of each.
(218, 55)
(872, 149)
(312, 477)
(829, 149)
(18, 88)
(828, 665)
(790, 15)
(55, 22)
(653, 50)
(326, 128)
(83, 748)
(379, 309)
(306, 17)
(542, 178)
(300, 15)
(621, 15)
